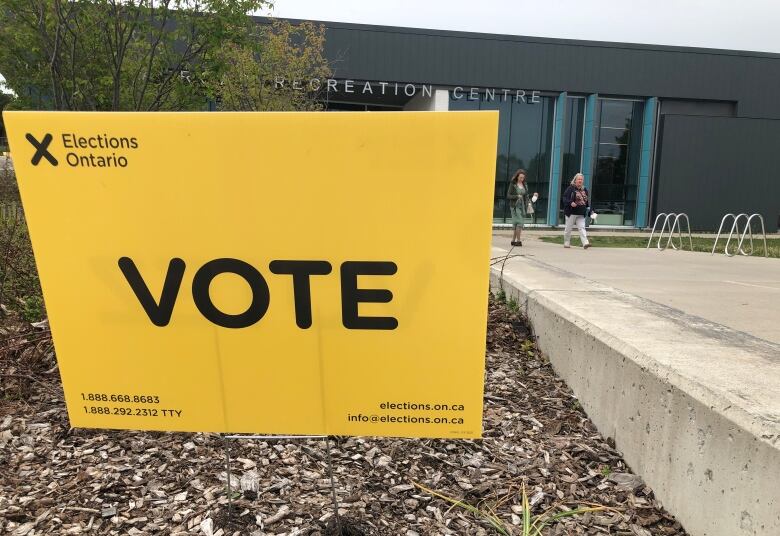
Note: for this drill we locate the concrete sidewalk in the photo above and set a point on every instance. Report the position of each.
(671, 354)
(742, 293)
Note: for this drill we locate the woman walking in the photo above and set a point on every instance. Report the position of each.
(575, 209)
(520, 204)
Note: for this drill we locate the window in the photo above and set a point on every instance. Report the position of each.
(572, 143)
(524, 141)
(530, 148)
(616, 172)
(503, 173)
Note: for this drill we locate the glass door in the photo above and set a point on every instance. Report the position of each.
(616, 173)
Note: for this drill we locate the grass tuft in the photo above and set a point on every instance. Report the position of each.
(532, 524)
(501, 296)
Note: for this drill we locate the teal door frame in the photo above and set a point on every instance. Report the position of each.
(559, 127)
(589, 139)
(645, 162)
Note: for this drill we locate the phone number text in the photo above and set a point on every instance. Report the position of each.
(136, 399)
(132, 412)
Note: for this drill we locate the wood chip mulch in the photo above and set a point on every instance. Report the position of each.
(60, 481)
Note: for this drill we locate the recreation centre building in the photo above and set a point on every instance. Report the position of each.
(653, 128)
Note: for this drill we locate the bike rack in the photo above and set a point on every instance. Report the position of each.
(735, 227)
(749, 227)
(720, 229)
(676, 224)
(674, 218)
(655, 224)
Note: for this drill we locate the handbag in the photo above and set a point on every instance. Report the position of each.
(529, 208)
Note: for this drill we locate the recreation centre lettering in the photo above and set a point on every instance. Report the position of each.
(333, 85)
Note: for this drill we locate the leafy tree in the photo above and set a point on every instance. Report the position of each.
(5, 100)
(282, 67)
(116, 54)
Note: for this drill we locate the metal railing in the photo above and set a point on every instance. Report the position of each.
(674, 218)
(735, 228)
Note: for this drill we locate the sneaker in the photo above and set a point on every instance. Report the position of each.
(566, 246)
(586, 246)
(519, 242)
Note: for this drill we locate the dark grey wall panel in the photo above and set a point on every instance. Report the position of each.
(696, 107)
(751, 79)
(710, 166)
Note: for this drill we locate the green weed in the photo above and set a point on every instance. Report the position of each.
(532, 524)
(32, 309)
(19, 287)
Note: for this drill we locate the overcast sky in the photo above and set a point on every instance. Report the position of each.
(729, 24)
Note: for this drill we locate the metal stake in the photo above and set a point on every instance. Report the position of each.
(333, 487)
(328, 457)
(227, 466)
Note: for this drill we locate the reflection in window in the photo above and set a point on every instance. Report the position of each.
(616, 173)
(572, 144)
(524, 141)
(503, 174)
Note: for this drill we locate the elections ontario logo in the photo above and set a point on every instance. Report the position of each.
(41, 149)
(92, 151)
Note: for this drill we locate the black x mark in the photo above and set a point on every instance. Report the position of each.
(41, 149)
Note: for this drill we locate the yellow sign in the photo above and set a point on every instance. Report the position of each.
(281, 273)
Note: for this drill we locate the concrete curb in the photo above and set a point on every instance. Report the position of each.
(692, 405)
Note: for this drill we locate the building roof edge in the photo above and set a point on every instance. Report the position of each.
(529, 39)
